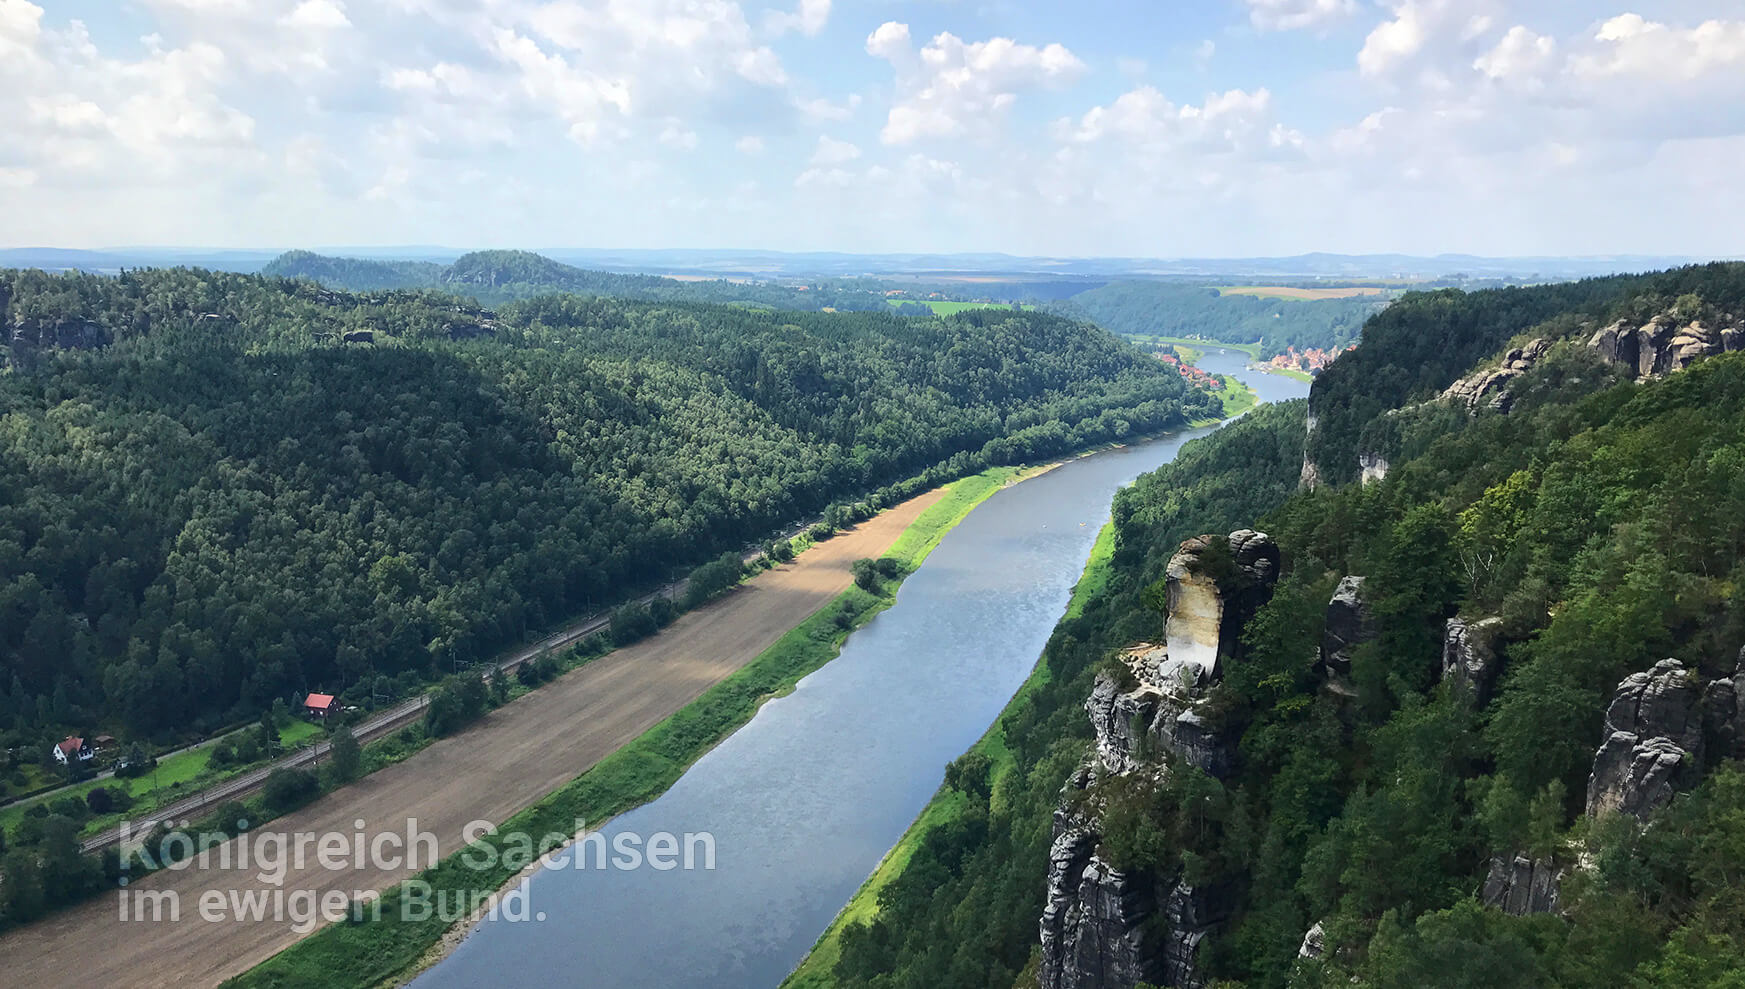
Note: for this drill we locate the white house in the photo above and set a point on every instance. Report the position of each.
(72, 748)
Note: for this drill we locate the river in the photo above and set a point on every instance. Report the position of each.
(804, 800)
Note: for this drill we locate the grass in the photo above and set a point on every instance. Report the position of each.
(950, 308)
(378, 949)
(931, 526)
(175, 777)
(1237, 396)
(1289, 372)
(818, 968)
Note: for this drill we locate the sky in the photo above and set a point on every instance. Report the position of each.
(1137, 128)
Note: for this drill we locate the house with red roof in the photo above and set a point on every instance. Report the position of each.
(319, 705)
(73, 749)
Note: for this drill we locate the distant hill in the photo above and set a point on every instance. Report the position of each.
(355, 274)
(1170, 309)
(495, 277)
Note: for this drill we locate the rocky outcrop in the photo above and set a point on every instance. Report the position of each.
(1489, 388)
(1101, 928)
(63, 332)
(1314, 945)
(1653, 743)
(1196, 607)
(1724, 716)
(360, 336)
(1372, 467)
(1310, 477)
(1469, 659)
(1093, 923)
(1519, 885)
(1348, 626)
(1190, 913)
(1666, 344)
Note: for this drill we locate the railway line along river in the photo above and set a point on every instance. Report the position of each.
(801, 803)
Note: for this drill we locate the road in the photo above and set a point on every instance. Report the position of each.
(505, 762)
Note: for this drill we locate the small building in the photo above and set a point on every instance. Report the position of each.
(319, 705)
(73, 749)
(102, 742)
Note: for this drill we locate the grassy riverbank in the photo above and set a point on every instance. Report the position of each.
(816, 971)
(375, 951)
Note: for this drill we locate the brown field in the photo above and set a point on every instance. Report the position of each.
(500, 765)
(1286, 292)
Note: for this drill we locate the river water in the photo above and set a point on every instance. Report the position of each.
(804, 800)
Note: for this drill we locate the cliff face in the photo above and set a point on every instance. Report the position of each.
(1102, 928)
(1664, 729)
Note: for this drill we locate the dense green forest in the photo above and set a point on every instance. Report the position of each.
(1424, 340)
(496, 277)
(1169, 309)
(1600, 522)
(219, 490)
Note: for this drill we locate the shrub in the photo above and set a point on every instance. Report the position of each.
(288, 789)
(866, 575)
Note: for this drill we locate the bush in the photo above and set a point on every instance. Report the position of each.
(888, 567)
(288, 789)
(631, 623)
(345, 755)
(662, 611)
(712, 578)
(100, 800)
(866, 575)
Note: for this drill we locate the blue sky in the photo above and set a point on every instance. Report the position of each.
(1097, 127)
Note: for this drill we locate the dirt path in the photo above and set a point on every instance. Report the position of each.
(507, 761)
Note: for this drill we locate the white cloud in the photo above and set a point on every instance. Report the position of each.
(950, 86)
(833, 152)
(1520, 56)
(808, 18)
(317, 14)
(889, 40)
(1629, 45)
(1144, 119)
(1394, 41)
(1287, 15)
(750, 144)
(678, 137)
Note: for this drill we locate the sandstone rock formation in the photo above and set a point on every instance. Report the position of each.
(1469, 658)
(1520, 885)
(1101, 928)
(1724, 716)
(1372, 467)
(1348, 626)
(1093, 923)
(1490, 388)
(1314, 942)
(1664, 345)
(1653, 744)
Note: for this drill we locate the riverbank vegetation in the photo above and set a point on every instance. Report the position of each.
(225, 490)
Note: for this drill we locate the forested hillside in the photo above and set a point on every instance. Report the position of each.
(1168, 309)
(1478, 723)
(1423, 341)
(217, 490)
(496, 277)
